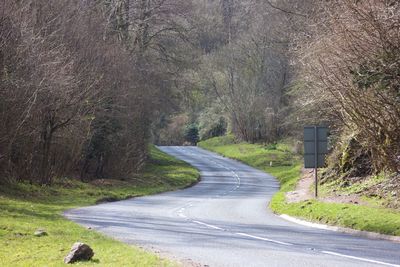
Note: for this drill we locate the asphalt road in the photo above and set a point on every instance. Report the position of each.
(224, 221)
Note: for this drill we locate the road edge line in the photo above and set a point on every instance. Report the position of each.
(360, 233)
(360, 258)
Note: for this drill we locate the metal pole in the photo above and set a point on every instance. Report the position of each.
(316, 160)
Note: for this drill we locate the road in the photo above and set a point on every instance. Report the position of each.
(224, 221)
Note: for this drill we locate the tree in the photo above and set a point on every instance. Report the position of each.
(81, 83)
(352, 65)
(192, 134)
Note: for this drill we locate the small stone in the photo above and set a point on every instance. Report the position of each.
(40, 232)
(79, 252)
(19, 234)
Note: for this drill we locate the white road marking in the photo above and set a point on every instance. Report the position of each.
(208, 225)
(235, 175)
(265, 239)
(181, 211)
(182, 215)
(360, 259)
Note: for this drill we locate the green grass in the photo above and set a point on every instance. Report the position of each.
(25, 208)
(354, 188)
(286, 168)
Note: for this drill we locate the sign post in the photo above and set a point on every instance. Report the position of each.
(315, 149)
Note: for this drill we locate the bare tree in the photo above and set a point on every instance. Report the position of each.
(353, 65)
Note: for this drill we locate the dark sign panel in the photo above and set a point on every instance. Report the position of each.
(315, 146)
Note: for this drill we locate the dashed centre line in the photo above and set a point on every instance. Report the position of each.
(238, 184)
(180, 212)
(265, 239)
(208, 225)
(360, 259)
(243, 234)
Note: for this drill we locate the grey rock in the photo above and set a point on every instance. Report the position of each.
(79, 252)
(40, 232)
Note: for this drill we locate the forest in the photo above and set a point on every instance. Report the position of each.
(87, 85)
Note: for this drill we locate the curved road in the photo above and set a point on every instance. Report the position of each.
(224, 221)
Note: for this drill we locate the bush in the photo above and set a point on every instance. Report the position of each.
(192, 134)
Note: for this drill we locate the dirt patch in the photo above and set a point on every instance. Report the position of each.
(303, 188)
(304, 192)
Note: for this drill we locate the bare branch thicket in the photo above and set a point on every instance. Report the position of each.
(249, 74)
(74, 100)
(354, 67)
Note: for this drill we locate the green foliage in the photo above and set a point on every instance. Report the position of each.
(380, 73)
(218, 141)
(348, 159)
(211, 122)
(25, 208)
(358, 186)
(192, 134)
(214, 129)
(99, 147)
(272, 146)
(173, 131)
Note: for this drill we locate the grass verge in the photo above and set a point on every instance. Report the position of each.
(25, 208)
(286, 168)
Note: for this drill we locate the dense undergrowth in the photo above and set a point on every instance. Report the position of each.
(25, 208)
(286, 168)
